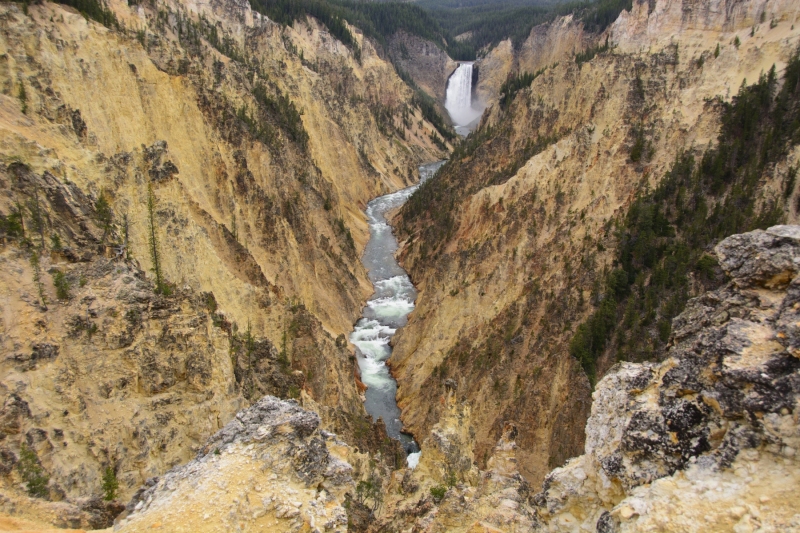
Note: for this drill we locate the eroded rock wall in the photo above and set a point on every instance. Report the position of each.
(507, 260)
(546, 45)
(249, 152)
(428, 65)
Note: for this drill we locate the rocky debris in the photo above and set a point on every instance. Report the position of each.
(447, 492)
(720, 414)
(270, 467)
(83, 513)
(160, 169)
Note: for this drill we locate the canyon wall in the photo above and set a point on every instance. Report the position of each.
(510, 244)
(182, 211)
(546, 45)
(428, 65)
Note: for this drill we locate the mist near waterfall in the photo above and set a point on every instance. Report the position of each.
(458, 100)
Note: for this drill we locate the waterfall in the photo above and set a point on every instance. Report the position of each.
(458, 99)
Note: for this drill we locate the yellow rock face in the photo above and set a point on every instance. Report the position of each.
(500, 301)
(259, 231)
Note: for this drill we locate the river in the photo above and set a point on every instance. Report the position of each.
(385, 312)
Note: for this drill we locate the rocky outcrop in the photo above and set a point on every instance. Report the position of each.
(271, 467)
(708, 438)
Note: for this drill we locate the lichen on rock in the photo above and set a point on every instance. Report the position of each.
(711, 433)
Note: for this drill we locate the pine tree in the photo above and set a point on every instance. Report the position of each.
(37, 277)
(37, 216)
(110, 484)
(23, 97)
(32, 473)
(104, 215)
(161, 286)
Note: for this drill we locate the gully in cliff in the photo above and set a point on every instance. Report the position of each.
(385, 311)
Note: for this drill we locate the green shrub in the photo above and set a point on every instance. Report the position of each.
(62, 285)
(23, 98)
(110, 484)
(438, 493)
(791, 177)
(55, 242)
(33, 475)
(12, 224)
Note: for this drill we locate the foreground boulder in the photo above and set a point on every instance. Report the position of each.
(271, 468)
(708, 439)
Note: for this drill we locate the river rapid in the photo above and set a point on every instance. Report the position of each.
(385, 312)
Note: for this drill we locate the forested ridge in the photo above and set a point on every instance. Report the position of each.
(484, 24)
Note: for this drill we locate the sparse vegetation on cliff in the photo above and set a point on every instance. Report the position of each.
(515, 83)
(104, 215)
(37, 277)
(161, 286)
(664, 235)
(94, 9)
(591, 52)
(23, 98)
(32, 473)
(287, 11)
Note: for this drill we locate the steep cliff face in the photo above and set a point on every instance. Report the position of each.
(706, 440)
(193, 184)
(546, 45)
(509, 244)
(427, 64)
(651, 23)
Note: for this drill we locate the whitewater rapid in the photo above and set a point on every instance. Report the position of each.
(385, 312)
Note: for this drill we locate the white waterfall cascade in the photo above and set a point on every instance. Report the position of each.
(458, 99)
